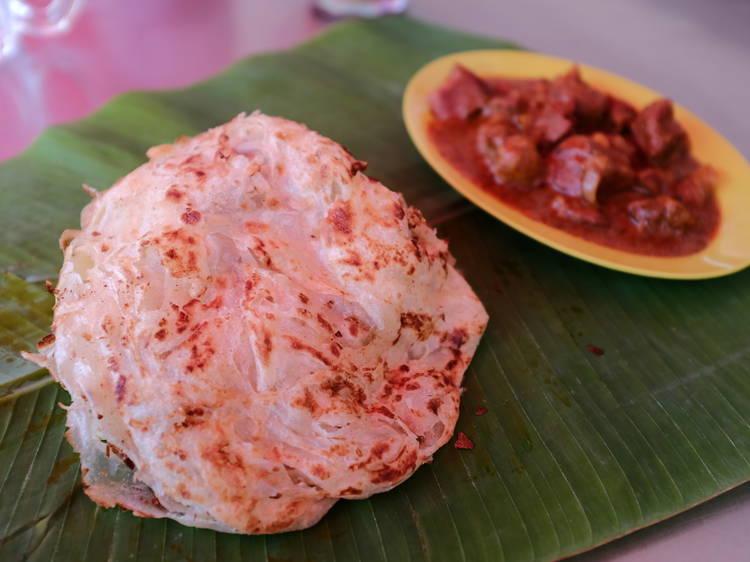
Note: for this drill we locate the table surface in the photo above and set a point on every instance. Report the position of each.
(691, 50)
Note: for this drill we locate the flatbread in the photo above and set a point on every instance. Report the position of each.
(250, 328)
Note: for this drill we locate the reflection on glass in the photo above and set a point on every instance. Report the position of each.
(360, 8)
(30, 77)
(18, 17)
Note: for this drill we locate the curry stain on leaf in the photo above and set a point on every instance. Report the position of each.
(516, 428)
(60, 468)
(49, 419)
(34, 427)
(557, 390)
(517, 467)
(176, 548)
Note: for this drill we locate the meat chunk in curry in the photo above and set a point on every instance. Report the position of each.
(658, 134)
(574, 96)
(660, 216)
(695, 188)
(577, 210)
(462, 95)
(512, 158)
(585, 165)
(578, 158)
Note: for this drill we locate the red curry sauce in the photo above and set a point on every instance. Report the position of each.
(579, 160)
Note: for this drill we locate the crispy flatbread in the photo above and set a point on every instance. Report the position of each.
(250, 328)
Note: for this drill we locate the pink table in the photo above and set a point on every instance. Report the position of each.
(692, 50)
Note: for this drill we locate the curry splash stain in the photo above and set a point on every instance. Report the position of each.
(34, 427)
(44, 422)
(515, 424)
(60, 468)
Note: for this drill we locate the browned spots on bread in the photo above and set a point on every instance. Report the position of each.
(266, 347)
(434, 405)
(194, 415)
(341, 387)
(335, 349)
(383, 410)
(320, 471)
(253, 227)
(396, 470)
(123, 457)
(418, 322)
(49, 339)
(325, 324)
(191, 216)
(353, 324)
(298, 345)
(357, 166)
(120, 388)
(200, 354)
(174, 194)
(398, 211)
(307, 402)
(221, 456)
(352, 258)
(340, 217)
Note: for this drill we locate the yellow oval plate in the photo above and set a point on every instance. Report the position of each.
(727, 253)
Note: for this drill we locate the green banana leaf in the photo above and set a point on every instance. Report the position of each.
(575, 448)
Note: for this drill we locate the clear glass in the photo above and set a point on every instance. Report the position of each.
(360, 8)
(35, 18)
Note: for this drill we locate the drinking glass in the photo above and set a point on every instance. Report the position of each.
(18, 17)
(361, 8)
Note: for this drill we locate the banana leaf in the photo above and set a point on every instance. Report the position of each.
(575, 449)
